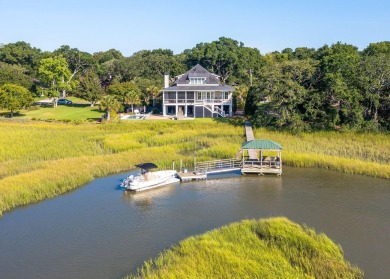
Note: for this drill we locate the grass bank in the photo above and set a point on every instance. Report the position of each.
(267, 248)
(39, 160)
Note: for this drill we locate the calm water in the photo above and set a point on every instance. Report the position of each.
(100, 231)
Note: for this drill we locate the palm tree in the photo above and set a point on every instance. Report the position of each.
(109, 103)
(133, 97)
(153, 91)
(241, 93)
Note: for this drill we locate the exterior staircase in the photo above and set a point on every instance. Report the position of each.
(219, 112)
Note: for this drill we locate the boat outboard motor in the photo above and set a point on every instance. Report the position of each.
(126, 182)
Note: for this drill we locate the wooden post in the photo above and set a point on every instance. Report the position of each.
(181, 164)
(261, 158)
(173, 164)
(280, 162)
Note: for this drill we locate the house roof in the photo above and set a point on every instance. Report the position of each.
(197, 71)
(212, 82)
(261, 144)
(220, 87)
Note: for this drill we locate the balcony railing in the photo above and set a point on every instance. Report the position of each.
(198, 101)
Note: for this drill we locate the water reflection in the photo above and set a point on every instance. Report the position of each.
(145, 198)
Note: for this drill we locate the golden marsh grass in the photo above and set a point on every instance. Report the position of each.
(349, 152)
(265, 248)
(39, 160)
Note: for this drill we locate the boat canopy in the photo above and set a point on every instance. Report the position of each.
(147, 166)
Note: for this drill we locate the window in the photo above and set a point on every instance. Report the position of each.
(197, 80)
(206, 96)
(225, 95)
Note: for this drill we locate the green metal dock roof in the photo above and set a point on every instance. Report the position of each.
(261, 144)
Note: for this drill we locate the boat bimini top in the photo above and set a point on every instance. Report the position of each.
(147, 166)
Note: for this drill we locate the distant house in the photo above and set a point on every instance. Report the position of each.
(197, 93)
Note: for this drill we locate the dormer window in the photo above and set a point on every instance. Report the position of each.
(198, 80)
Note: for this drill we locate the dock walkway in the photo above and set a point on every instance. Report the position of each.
(249, 136)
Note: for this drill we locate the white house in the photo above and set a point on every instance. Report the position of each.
(197, 93)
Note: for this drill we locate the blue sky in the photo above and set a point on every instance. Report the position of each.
(130, 26)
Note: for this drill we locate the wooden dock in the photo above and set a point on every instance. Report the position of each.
(254, 159)
(190, 176)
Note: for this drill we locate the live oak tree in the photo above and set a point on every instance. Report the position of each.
(90, 88)
(22, 54)
(55, 74)
(150, 88)
(375, 85)
(14, 97)
(126, 93)
(15, 74)
(78, 61)
(153, 64)
(281, 95)
(227, 58)
(103, 61)
(339, 83)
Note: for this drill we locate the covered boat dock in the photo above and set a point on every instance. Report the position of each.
(261, 157)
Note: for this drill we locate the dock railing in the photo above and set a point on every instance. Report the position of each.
(218, 166)
(266, 162)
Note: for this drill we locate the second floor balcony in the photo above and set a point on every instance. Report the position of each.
(197, 97)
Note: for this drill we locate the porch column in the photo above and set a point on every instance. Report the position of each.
(163, 104)
(177, 93)
(185, 103)
(177, 107)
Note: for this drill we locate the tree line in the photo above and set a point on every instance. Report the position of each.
(331, 87)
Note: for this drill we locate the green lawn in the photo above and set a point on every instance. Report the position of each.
(80, 110)
(62, 112)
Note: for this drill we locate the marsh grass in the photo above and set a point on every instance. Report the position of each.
(266, 248)
(349, 152)
(39, 160)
